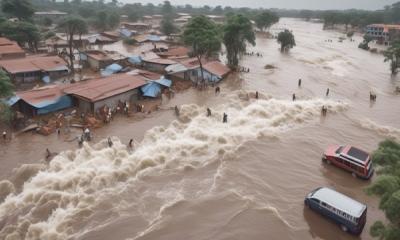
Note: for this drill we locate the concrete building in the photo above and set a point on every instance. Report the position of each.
(10, 49)
(383, 33)
(91, 95)
(34, 68)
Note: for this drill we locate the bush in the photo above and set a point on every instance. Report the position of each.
(129, 41)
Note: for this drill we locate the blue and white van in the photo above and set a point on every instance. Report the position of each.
(348, 213)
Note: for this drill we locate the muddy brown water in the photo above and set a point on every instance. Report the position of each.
(198, 178)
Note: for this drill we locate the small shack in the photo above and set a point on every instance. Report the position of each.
(10, 49)
(40, 101)
(91, 95)
(157, 64)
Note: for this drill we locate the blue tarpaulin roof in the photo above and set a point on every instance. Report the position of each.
(125, 32)
(52, 106)
(111, 69)
(135, 59)
(12, 100)
(154, 38)
(153, 88)
(46, 79)
(165, 82)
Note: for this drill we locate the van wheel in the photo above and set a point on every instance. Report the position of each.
(354, 175)
(344, 228)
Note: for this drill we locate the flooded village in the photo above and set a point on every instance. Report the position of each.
(143, 121)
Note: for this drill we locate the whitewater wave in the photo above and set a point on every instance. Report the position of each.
(387, 131)
(59, 201)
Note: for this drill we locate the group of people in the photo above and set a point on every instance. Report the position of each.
(243, 69)
(254, 54)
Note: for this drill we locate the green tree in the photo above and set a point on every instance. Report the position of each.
(72, 26)
(392, 54)
(21, 32)
(238, 31)
(286, 39)
(113, 20)
(203, 36)
(100, 21)
(22, 9)
(306, 14)
(265, 20)
(167, 9)
(387, 187)
(47, 21)
(6, 87)
(168, 27)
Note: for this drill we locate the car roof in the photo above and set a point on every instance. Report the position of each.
(339, 201)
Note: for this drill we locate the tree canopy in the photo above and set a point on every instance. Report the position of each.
(266, 19)
(22, 9)
(72, 26)
(286, 39)
(6, 87)
(21, 32)
(238, 31)
(168, 27)
(387, 187)
(392, 55)
(203, 36)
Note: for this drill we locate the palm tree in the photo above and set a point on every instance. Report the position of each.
(286, 39)
(238, 31)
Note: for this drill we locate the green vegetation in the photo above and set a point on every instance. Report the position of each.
(387, 187)
(392, 54)
(265, 20)
(6, 90)
(286, 39)
(129, 41)
(168, 27)
(72, 26)
(238, 31)
(21, 32)
(203, 36)
(364, 45)
(21, 9)
(105, 20)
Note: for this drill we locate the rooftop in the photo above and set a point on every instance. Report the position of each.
(102, 88)
(98, 55)
(33, 64)
(146, 74)
(386, 27)
(217, 68)
(340, 201)
(54, 12)
(8, 46)
(175, 52)
(41, 96)
(161, 61)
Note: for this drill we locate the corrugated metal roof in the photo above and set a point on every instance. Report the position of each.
(8, 46)
(34, 63)
(161, 61)
(217, 68)
(41, 97)
(101, 88)
(340, 201)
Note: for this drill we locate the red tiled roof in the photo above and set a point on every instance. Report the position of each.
(102, 88)
(216, 68)
(32, 64)
(161, 61)
(47, 93)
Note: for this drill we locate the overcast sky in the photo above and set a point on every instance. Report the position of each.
(290, 4)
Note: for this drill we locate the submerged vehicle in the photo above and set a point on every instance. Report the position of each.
(351, 159)
(349, 214)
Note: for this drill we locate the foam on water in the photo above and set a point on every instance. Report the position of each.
(56, 202)
(387, 131)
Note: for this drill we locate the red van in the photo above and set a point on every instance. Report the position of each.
(350, 158)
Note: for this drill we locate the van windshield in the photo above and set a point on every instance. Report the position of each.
(339, 150)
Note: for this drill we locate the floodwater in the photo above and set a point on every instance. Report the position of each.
(198, 178)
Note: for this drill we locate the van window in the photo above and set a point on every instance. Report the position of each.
(339, 150)
(315, 200)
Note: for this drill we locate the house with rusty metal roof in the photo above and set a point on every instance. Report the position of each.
(189, 69)
(40, 101)
(93, 94)
(10, 49)
(34, 68)
(157, 64)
